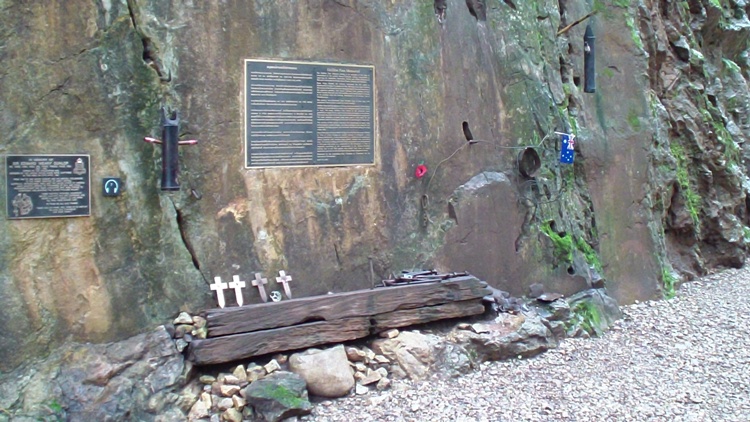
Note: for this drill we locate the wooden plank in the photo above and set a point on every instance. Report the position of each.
(343, 305)
(242, 346)
(408, 317)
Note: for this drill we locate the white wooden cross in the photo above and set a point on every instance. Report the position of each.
(284, 280)
(237, 285)
(219, 287)
(259, 282)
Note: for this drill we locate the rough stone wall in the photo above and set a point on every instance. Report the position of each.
(697, 66)
(656, 191)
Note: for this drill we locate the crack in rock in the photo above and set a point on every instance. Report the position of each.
(150, 51)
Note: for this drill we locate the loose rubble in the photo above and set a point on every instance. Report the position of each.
(185, 328)
(147, 377)
(244, 394)
(683, 359)
(516, 328)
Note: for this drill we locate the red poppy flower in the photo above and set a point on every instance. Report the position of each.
(420, 171)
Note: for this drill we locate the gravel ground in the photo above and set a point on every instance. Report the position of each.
(685, 359)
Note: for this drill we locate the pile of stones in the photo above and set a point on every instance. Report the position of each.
(225, 397)
(185, 328)
(147, 377)
(279, 387)
(371, 369)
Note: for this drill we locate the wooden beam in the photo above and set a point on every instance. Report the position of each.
(333, 307)
(408, 317)
(246, 345)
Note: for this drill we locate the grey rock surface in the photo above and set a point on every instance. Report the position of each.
(142, 378)
(507, 336)
(558, 310)
(454, 360)
(683, 359)
(593, 310)
(412, 350)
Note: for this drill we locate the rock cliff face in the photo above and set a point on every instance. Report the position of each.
(657, 191)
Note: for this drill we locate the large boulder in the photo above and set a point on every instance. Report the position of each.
(326, 372)
(507, 336)
(412, 350)
(278, 396)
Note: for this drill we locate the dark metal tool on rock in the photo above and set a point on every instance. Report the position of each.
(170, 165)
(418, 277)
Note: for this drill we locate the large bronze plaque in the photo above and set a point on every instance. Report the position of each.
(308, 114)
(44, 186)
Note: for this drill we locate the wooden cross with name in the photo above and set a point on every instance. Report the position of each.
(219, 287)
(284, 280)
(237, 285)
(259, 282)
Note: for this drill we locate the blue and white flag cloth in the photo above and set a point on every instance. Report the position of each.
(567, 150)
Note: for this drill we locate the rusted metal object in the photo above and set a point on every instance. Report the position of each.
(423, 276)
(528, 162)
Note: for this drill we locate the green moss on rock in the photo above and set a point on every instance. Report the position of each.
(592, 258)
(692, 199)
(282, 395)
(669, 282)
(587, 316)
(563, 245)
(634, 121)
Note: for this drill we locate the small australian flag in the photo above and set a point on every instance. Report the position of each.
(567, 152)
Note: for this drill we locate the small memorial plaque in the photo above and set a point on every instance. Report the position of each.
(308, 114)
(44, 186)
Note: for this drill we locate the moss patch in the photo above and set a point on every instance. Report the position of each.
(669, 281)
(563, 245)
(633, 120)
(692, 199)
(630, 22)
(587, 316)
(283, 395)
(592, 258)
(731, 66)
